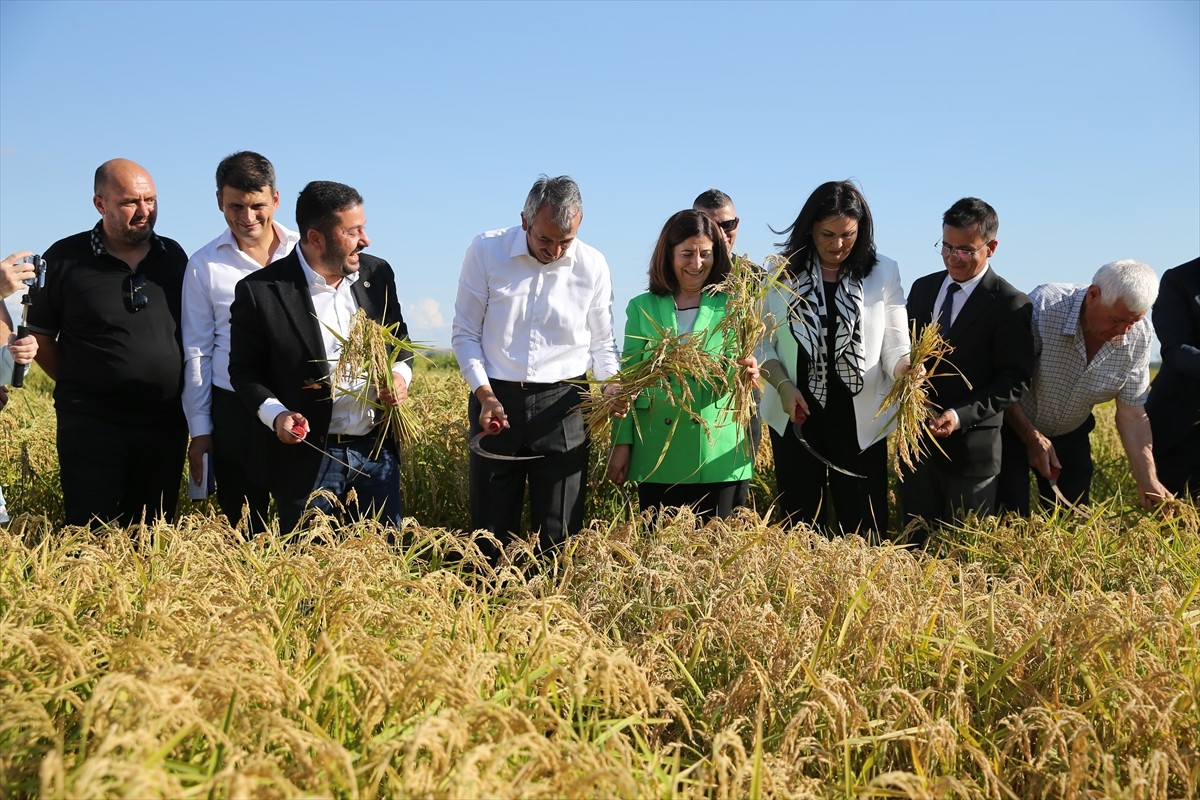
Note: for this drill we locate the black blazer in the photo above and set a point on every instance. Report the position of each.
(276, 351)
(1174, 403)
(993, 349)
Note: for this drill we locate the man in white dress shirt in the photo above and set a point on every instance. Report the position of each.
(219, 424)
(532, 317)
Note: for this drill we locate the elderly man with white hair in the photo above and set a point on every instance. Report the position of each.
(1093, 345)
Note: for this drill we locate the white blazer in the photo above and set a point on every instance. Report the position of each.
(885, 344)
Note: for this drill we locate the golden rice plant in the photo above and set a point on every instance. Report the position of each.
(369, 351)
(670, 361)
(909, 396)
(745, 322)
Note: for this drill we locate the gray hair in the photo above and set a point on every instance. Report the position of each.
(561, 194)
(1128, 280)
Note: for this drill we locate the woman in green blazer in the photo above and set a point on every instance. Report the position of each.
(674, 460)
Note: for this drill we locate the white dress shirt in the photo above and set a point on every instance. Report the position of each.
(516, 319)
(965, 289)
(212, 272)
(335, 307)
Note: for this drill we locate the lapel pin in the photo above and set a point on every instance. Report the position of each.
(366, 284)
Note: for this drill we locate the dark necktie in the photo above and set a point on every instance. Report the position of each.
(947, 312)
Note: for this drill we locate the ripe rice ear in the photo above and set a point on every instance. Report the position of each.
(368, 352)
(745, 322)
(667, 361)
(909, 396)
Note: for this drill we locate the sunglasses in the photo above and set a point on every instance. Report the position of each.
(135, 299)
(729, 225)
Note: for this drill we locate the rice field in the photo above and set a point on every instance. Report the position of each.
(1056, 657)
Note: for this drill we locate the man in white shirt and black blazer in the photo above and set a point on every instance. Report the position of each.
(283, 352)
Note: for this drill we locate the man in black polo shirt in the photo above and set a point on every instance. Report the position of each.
(107, 325)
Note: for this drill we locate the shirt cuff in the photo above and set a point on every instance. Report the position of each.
(269, 410)
(402, 369)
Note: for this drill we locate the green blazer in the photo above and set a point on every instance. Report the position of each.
(661, 425)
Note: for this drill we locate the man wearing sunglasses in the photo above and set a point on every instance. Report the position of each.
(220, 425)
(718, 207)
(987, 322)
(107, 325)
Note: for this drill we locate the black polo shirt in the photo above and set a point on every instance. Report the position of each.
(113, 362)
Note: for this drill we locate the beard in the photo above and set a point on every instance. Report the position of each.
(137, 236)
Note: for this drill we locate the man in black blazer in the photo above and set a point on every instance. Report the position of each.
(987, 322)
(282, 352)
(1174, 403)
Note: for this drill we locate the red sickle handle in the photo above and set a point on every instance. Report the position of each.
(300, 430)
(493, 427)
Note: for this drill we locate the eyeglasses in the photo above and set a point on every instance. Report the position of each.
(729, 225)
(961, 252)
(135, 299)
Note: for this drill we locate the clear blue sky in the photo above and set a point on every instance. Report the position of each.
(1078, 121)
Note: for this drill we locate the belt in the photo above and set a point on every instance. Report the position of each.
(346, 438)
(529, 386)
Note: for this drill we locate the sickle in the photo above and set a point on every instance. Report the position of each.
(799, 431)
(492, 429)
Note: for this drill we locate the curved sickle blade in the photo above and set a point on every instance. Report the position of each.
(799, 431)
(477, 448)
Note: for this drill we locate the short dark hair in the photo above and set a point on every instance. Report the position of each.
(712, 200)
(682, 226)
(319, 201)
(971, 211)
(245, 171)
(561, 194)
(833, 199)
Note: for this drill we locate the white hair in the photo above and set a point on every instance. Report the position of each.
(1128, 280)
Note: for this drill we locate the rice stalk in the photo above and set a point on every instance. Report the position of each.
(674, 362)
(909, 395)
(368, 352)
(745, 322)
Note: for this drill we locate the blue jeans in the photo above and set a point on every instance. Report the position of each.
(346, 466)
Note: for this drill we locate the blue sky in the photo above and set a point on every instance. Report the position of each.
(1078, 121)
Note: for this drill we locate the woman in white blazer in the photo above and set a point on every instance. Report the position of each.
(837, 336)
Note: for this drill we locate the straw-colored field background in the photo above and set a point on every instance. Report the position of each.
(1054, 657)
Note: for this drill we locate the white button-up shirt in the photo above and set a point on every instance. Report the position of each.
(212, 273)
(517, 319)
(1065, 384)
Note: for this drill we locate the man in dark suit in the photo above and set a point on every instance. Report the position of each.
(1174, 403)
(987, 322)
(282, 352)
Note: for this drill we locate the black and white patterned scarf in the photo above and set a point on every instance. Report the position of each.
(806, 311)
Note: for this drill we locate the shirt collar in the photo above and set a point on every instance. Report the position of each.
(520, 247)
(967, 286)
(98, 248)
(1073, 321)
(318, 281)
(227, 239)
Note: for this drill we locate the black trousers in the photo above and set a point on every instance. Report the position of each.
(807, 490)
(710, 500)
(543, 422)
(1074, 451)
(120, 471)
(1177, 461)
(235, 429)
